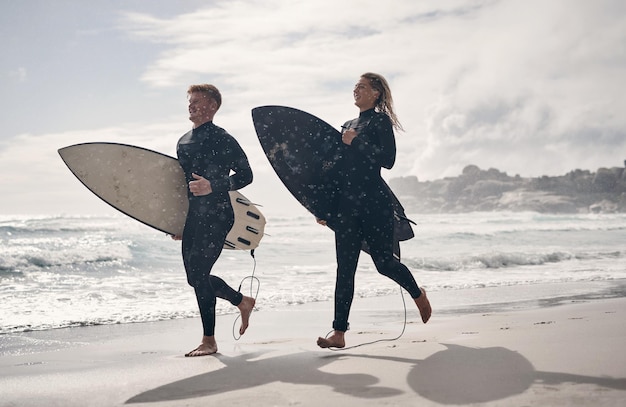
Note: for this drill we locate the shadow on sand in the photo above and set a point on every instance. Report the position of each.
(456, 375)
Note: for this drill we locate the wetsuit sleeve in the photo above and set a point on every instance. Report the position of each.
(239, 166)
(384, 153)
(242, 175)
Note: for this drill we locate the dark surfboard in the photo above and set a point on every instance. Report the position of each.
(304, 151)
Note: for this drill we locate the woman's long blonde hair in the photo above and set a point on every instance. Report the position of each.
(385, 101)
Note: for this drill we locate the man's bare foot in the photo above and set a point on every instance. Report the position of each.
(336, 340)
(207, 347)
(424, 306)
(245, 307)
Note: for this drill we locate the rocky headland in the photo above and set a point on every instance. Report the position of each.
(579, 191)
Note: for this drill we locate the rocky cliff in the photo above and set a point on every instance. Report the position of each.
(491, 190)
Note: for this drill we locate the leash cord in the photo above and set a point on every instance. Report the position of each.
(335, 349)
(254, 294)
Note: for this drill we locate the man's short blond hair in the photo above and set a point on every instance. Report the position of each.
(209, 90)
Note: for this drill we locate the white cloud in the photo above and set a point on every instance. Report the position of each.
(530, 92)
(529, 87)
(475, 82)
(19, 74)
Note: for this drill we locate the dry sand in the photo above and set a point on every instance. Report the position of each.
(568, 354)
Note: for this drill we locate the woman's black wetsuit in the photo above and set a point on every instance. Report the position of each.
(365, 211)
(209, 151)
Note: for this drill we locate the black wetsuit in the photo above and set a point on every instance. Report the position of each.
(209, 151)
(365, 211)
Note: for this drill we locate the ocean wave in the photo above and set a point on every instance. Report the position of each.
(15, 262)
(30, 230)
(114, 320)
(504, 260)
(61, 272)
(489, 223)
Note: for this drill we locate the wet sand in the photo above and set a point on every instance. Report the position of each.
(552, 353)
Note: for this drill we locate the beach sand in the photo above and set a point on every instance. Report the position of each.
(554, 353)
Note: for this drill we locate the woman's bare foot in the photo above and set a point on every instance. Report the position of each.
(336, 340)
(423, 305)
(245, 308)
(207, 347)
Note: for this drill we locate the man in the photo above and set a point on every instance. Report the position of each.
(208, 156)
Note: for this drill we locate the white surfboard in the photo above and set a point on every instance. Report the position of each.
(151, 188)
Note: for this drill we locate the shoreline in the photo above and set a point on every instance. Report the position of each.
(449, 302)
(529, 352)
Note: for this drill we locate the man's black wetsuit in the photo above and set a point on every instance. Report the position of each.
(209, 151)
(365, 211)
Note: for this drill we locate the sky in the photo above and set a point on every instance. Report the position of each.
(530, 87)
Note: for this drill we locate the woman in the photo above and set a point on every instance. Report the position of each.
(365, 211)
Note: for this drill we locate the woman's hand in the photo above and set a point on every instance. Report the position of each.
(348, 136)
(200, 186)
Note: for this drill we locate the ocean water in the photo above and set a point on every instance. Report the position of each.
(61, 271)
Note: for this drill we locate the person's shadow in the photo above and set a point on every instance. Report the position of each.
(456, 375)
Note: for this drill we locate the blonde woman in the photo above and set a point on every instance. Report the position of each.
(364, 209)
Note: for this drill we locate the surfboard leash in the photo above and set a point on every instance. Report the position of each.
(253, 294)
(335, 349)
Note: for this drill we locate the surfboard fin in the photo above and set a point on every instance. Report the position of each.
(252, 215)
(244, 241)
(252, 230)
(246, 202)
